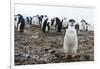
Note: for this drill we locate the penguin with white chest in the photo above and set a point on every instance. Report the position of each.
(46, 24)
(70, 44)
(19, 22)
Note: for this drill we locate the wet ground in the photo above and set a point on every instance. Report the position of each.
(35, 47)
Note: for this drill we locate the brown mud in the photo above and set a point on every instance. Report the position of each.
(35, 47)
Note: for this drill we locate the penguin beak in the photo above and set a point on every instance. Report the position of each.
(72, 24)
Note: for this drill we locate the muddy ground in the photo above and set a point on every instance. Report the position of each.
(35, 47)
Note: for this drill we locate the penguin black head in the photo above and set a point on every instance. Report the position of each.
(83, 20)
(71, 22)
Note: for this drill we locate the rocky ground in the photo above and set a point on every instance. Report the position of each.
(35, 47)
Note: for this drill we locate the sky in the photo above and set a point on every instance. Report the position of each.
(55, 11)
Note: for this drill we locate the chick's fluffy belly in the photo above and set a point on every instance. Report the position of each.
(70, 37)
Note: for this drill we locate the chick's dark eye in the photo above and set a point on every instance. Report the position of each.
(15, 18)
